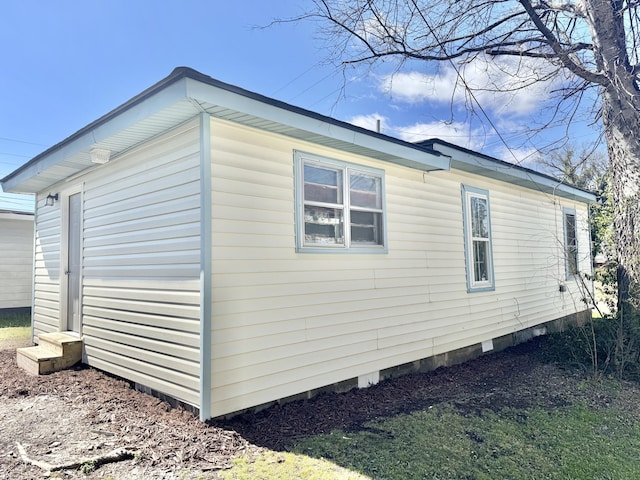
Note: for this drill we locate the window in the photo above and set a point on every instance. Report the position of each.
(477, 233)
(570, 242)
(340, 206)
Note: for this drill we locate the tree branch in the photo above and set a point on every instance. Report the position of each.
(556, 46)
(116, 455)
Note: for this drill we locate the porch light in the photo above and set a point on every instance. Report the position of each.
(51, 200)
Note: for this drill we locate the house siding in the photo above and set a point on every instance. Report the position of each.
(140, 265)
(47, 269)
(287, 322)
(16, 263)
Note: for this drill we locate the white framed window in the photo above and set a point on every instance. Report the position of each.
(570, 242)
(477, 239)
(339, 206)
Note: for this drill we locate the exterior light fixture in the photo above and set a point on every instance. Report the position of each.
(100, 155)
(51, 200)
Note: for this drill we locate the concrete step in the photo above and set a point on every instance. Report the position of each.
(55, 351)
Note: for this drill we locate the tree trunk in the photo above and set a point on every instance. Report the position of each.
(621, 119)
(622, 127)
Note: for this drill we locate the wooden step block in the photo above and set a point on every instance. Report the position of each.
(56, 351)
(61, 343)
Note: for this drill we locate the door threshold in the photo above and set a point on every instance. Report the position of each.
(71, 333)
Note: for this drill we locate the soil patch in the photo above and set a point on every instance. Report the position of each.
(82, 413)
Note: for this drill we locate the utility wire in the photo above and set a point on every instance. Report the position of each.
(22, 141)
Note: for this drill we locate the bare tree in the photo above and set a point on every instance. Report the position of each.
(581, 166)
(591, 47)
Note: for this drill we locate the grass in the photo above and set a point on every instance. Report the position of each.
(14, 320)
(572, 442)
(14, 328)
(441, 443)
(14, 334)
(285, 466)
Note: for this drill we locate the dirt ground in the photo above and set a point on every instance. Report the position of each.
(80, 413)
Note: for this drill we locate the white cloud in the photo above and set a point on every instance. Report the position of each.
(412, 87)
(456, 133)
(525, 157)
(505, 86)
(370, 122)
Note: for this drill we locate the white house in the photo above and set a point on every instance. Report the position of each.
(229, 250)
(16, 253)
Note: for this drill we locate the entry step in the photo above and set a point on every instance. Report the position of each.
(55, 351)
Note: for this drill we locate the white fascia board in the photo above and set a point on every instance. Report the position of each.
(251, 106)
(513, 174)
(89, 136)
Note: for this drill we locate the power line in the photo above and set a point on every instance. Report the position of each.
(22, 141)
(330, 74)
(15, 155)
(293, 80)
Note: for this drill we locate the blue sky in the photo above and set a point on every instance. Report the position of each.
(68, 62)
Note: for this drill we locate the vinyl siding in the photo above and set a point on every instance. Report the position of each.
(287, 322)
(47, 268)
(16, 261)
(140, 265)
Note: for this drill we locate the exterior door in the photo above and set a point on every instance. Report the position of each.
(74, 262)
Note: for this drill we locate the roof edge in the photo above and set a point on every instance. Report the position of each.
(569, 190)
(177, 74)
(182, 72)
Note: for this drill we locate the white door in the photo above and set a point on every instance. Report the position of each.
(74, 262)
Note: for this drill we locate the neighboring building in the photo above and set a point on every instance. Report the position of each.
(229, 250)
(16, 253)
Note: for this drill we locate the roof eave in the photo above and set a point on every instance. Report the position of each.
(189, 92)
(160, 96)
(480, 164)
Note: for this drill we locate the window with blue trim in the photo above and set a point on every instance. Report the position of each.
(478, 245)
(570, 243)
(340, 206)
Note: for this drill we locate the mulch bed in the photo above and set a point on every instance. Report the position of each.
(169, 441)
(515, 378)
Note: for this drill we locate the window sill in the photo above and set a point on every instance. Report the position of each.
(343, 251)
(489, 288)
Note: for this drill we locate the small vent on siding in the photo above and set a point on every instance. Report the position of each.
(369, 379)
(487, 346)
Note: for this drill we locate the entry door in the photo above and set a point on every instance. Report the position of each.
(74, 262)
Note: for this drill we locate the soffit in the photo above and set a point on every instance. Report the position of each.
(179, 98)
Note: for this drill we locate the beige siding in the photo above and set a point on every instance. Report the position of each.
(16, 260)
(141, 265)
(47, 280)
(286, 322)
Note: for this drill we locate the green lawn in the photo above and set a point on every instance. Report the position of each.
(571, 442)
(14, 320)
(14, 328)
(590, 431)
(441, 443)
